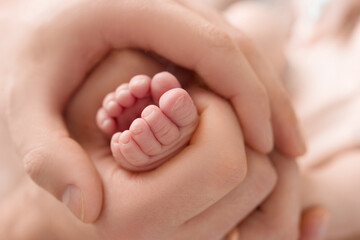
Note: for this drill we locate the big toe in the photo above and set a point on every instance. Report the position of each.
(179, 107)
(161, 83)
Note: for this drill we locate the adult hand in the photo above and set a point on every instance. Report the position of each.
(197, 194)
(58, 45)
(279, 216)
(41, 217)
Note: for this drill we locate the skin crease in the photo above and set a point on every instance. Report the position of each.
(83, 31)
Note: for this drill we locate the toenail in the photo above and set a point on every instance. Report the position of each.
(107, 122)
(112, 104)
(180, 102)
(136, 130)
(124, 138)
(115, 138)
(147, 112)
(120, 91)
(123, 86)
(139, 80)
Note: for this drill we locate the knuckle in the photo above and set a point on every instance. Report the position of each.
(34, 162)
(266, 178)
(230, 172)
(220, 38)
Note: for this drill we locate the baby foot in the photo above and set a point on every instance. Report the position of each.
(150, 120)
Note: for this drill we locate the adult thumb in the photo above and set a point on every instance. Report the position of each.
(314, 223)
(56, 162)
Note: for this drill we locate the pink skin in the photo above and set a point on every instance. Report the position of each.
(148, 120)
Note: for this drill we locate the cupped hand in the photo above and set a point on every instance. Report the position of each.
(195, 194)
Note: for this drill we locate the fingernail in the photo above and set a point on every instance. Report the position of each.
(74, 200)
(315, 222)
(321, 232)
(322, 227)
(138, 80)
(136, 129)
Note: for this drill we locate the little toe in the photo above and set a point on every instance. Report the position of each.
(115, 145)
(105, 122)
(165, 131)
(144, 137)
(111, 106)
(178, 106)
(140, 86)
(109, 97)
(124, 97)
(131, 151)
(161, 83)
